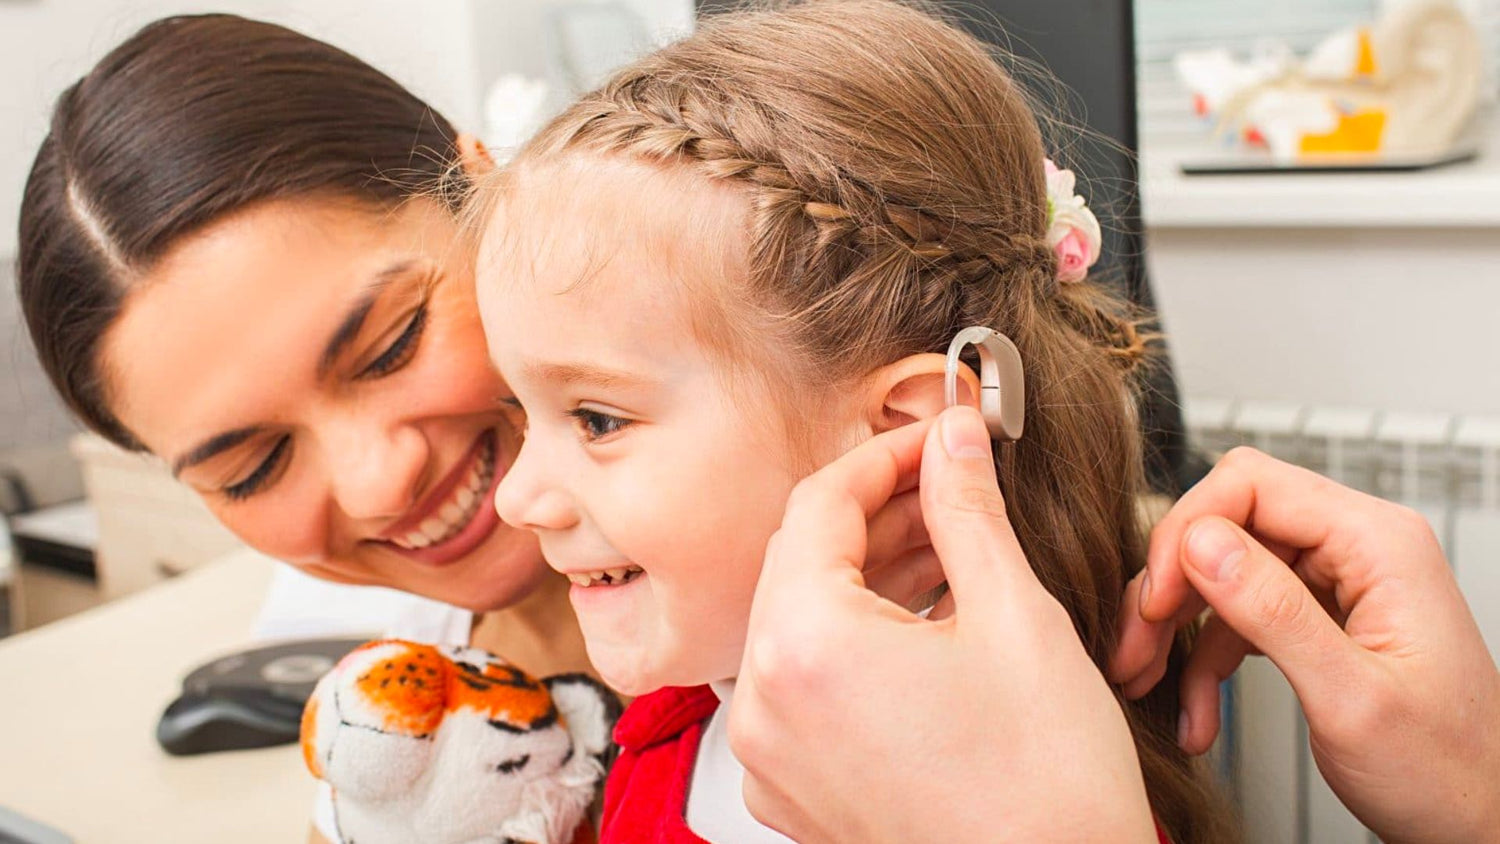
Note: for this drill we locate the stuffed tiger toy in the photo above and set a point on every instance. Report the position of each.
(450, 745)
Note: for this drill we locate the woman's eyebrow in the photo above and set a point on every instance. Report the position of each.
(354, 318)
(212, 447)
(348, 329)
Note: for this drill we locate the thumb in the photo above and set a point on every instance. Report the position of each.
(1264, 601)
(965, 512)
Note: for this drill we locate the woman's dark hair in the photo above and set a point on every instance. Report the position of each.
(193, 118)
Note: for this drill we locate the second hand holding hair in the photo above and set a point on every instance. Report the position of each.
(1351, 597)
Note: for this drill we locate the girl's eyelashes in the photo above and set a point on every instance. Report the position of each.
(595, 425)
(401, 350)
(263, 473)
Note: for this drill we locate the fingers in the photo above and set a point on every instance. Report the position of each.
(906, 580)
(1140, 657)
(1256, 594)
(1217, 652)
(965, 514)
(1288, 508)
(895, 530)
(824, 531)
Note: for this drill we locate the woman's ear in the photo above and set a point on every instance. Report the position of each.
(475, 159)
(911, 389)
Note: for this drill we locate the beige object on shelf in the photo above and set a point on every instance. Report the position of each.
(81, 701)
(150, 526)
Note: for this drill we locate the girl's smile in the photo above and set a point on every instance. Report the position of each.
(631, 416)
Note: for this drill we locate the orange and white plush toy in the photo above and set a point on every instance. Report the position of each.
(447, 745)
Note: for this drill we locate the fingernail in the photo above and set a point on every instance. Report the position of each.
(1182, 729)
(1215, 549)
(1145, 590)
(964, 435)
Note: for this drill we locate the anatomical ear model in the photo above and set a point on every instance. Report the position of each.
(1402, 87)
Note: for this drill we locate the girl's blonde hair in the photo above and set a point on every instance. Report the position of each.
(897, 194)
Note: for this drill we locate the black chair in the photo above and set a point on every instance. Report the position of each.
(1089, 47)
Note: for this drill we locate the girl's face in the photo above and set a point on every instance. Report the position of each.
(316, 370)
(653, 473)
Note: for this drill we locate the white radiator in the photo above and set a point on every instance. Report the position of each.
(1446, 467)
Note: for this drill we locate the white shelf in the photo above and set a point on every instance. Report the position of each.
(1455, 196)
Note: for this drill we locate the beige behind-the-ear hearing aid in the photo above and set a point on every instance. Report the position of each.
(1002, 394)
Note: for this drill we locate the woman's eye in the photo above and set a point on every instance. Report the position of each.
(595, 425)
(401, 349)
(257, 479)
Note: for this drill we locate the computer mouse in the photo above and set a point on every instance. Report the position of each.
(249, 699)
(227, 721)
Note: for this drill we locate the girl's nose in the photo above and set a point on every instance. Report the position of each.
(528, 498)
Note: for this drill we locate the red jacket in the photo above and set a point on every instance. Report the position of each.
(645, 797)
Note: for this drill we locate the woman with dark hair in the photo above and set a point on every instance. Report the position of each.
(238, 252)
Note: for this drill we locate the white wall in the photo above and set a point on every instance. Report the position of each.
(1386, 319)
(444, 50)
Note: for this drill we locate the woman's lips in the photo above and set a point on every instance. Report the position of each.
(450, 515)
(457, 516)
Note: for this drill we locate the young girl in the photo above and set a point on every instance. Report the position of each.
(742, 256)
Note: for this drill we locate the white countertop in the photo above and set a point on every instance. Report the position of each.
(78, 717)
(1463, 195)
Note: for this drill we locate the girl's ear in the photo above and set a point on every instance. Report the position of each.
(472, 155)
(911, 389)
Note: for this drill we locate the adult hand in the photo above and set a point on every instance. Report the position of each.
(1351, 597)
(859, 721)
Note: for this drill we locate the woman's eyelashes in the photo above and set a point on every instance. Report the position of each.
(263, 473)
(398, 354)
(595, 425)
(401, 350)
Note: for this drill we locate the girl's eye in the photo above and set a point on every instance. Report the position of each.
(401, 349)
(594, 425)
(257, 479)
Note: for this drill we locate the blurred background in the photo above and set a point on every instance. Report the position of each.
(1338, 312)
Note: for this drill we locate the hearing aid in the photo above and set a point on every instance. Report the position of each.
(1002, 395)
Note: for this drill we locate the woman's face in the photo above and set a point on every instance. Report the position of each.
(316, 370)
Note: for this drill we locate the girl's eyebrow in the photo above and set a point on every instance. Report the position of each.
(354, 318)
(575, 373)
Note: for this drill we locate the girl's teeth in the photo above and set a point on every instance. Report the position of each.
(608, 577)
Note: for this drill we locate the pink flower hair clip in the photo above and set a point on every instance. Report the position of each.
(1072, 229)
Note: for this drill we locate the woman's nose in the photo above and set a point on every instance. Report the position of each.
(378, 473)
(527, 497)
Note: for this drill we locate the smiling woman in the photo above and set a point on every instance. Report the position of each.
(238, 252)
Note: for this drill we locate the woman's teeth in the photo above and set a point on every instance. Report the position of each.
(455, 514)
(606, 577)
